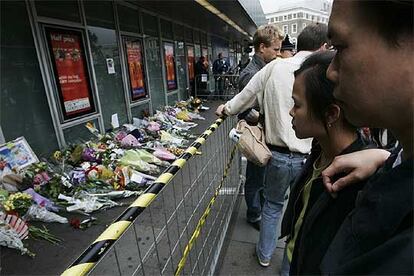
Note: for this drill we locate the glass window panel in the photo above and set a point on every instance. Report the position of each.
(128, 19)
(65, 10)
(140, 111)
(178, 32)
(188, 35)
(181, 69)
(196, 36)
(154, 67)
(197, 50)
(24, 110)
(166, 29)
(110, 89)
(99, 14)
(204, 39)
(150, 24)
(79, 133)
(105, 51)
(172, 98)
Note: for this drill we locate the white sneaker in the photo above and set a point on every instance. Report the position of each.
(261, 262)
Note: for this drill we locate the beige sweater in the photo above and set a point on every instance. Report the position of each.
(271, 89)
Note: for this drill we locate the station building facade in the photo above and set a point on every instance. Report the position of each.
(66, 63)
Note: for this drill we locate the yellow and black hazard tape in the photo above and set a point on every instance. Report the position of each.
(85, 262)
(203, 218)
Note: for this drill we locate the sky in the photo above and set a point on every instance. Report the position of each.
(270, 5)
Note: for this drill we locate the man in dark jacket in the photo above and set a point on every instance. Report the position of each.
(220, 67)
(266, 42)
(201, 74)
(377, 236)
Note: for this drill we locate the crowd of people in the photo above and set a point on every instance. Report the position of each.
(338, 119)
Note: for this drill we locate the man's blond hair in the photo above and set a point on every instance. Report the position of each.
(266, 34)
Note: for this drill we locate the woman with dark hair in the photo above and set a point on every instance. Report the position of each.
(313, 216)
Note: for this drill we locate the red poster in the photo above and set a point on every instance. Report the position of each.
(136, 70)
(190, 62)
(70, 68)
(170, 66)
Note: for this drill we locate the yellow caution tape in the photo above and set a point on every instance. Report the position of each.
(203, 218)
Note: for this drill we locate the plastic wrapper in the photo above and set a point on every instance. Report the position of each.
(195, 116)
(164, 154)
(133, 159)
(89, 154)
(120, 135)
(77, 176)
(177, 123)
(15, 223)
(10, 239)
(12, 231)
(153, 126)
(130, 141)
(41, 200)
(150, 158)
(37, 213)
(87, 203)
(117, 194)
(183, 115)
(171, 139)
(138, 122)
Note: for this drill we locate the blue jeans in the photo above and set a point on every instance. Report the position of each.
(281, 172)
(253, 191)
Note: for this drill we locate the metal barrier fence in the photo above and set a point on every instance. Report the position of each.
(225, 86)
(183, 226)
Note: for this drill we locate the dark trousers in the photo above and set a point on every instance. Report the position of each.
(253, 191)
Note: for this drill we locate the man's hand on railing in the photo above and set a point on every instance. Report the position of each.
(220, 111)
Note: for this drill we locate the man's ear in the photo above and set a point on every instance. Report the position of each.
(332, 114)
(261, 47)
(324, 47)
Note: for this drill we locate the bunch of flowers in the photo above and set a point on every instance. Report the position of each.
(18, 203)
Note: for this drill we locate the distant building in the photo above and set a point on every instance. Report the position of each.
(294, 16)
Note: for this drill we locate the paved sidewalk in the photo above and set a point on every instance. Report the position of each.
(238, 253)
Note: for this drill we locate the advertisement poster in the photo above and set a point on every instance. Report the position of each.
(71, 72)
(190, 62)
(170, 66)
(136, 69)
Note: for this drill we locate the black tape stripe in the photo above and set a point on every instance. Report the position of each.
(94, 252)
(196, 145)
(155, 188)
(173, 169)
(205, 135)
(130, 214)
(186, 156)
